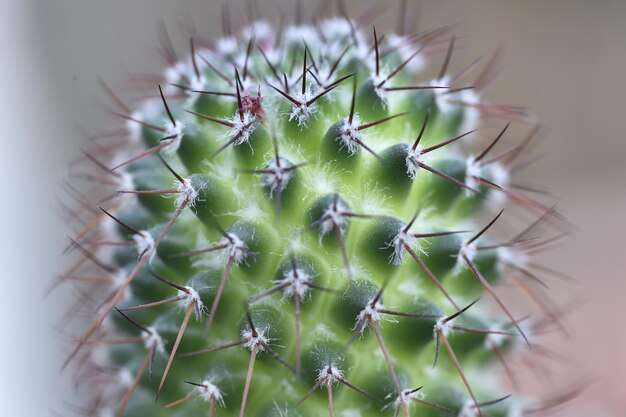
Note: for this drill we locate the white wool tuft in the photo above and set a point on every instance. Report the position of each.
(210, 392)
(445, 103)
(469, 250)
(153, 339)
(495, 339)
(443, 326)
(295, 241)
(250, 210)
(336, 28)
(412, 161)
(303, 112)
(323, 179)
(197, 84)
(125, 181)
(109, 227)
(118, 280)
(399, 43)
(401, 239)
(517, 344)
(403, 399)
(186, 193)
(144, 243)
(242, 129)
(512, 256)
(134, 128)
(257, 341)
(175, 130)
(501, 176)
(473, 170)
(330, 373)
(295, 35)
(323, 331)
(515, 410)
(442, 98)
(235, 247)
(471, 114)
(277, 177)
(410, 288)
(372, 199)
(350, 134)
(333, 217)
(296, 283)
(149, 110)
(377, 80)
(261, 31)
(192, 298)
(227, 46)
(174, 73)
(468, 410)
(369, 312)
(125, 378)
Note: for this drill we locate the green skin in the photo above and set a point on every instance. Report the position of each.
(328, 318)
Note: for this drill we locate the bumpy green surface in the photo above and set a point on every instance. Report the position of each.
(279, 236)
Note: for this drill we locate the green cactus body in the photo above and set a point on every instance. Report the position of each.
(306, 224)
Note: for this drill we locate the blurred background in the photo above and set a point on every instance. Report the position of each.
(564, 59)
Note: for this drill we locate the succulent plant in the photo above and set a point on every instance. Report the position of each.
(297, 222)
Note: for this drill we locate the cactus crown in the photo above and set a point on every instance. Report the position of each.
(294, 228)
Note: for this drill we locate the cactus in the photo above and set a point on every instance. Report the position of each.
(297, 223)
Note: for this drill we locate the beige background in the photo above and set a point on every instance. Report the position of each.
(564, 59)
